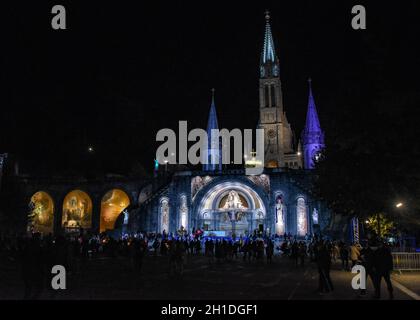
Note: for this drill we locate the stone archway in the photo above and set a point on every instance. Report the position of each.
(113, 203)
(230, 208)
(41, 213)
(77, 211)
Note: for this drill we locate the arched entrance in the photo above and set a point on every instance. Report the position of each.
(41, 213)
(231, 209)
(113, 204)
(77, 211)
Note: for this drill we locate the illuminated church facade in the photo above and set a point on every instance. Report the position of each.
(224, 202)
(228, 202)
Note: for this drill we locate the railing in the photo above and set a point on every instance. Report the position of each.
(405, 261)
(405, 249)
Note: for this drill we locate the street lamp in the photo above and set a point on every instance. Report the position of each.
(399, 205)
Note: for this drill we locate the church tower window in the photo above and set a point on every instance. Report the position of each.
(267, 96)
(273, 96)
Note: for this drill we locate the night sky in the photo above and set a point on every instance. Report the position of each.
(121, 72)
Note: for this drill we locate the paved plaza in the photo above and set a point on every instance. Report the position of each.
(114, 278)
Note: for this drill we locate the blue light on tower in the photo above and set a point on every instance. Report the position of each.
(312, 135)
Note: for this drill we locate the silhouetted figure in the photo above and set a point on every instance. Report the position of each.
(209, 249)
(323, 260)
(269, 251)
(302, 253)
(383, 265)
(344, 256)
(294, 254)
(155, 245)
(140, 248)
(355, 253)
(33, 268)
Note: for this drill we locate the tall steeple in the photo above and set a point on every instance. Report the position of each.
(277, 132)
(214, 155)
(269, 64)
(268, 54)
(312, 135)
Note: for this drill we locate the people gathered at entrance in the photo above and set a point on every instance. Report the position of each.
(36, 254)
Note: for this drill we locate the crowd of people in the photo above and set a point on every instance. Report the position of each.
(37, 254)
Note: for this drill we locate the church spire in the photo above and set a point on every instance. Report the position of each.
(312, 121)
(269, 63)
(312, 136)
(268, 54)
(212, 120)
(214, 155)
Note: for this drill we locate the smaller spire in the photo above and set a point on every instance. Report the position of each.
(213, 153)
(311, 97)
(267, 15)
(312, 135)
(312, 121)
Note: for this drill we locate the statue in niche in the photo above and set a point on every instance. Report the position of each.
(126, 216)
(315, 216)
(279, 210)
(184, 212)
(165, 215)
(73, 213)
(233, 201)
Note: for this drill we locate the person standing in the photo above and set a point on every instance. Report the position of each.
(344, 256)
(367, 261)
(155, 245)
(354, 254)
(323, 260)
(383, 264)
(295, 253)
(33, 272)
(302, 253)
(269, 251)
(335, 251)
(140, 251)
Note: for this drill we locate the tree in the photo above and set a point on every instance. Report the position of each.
(380, 225)
(371, 159)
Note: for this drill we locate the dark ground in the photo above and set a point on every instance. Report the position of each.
(106, 278)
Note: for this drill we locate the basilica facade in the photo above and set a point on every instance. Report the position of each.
(228, 202)
(221, 202)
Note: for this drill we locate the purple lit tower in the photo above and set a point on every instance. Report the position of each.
(214, 155)
(312, 135)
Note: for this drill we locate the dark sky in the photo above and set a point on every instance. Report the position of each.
(122, 71)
